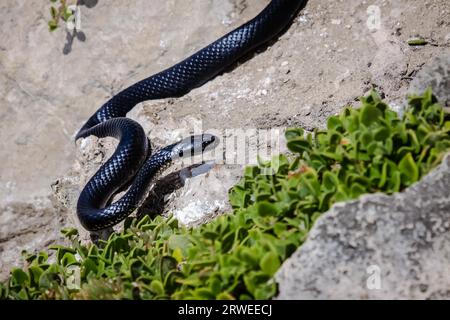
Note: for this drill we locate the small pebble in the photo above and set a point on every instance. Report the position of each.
(336, 21)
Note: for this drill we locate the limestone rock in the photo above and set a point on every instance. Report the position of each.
(377, 247)
(436, 75)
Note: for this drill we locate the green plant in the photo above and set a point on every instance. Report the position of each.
(235, 257)
(58, 13)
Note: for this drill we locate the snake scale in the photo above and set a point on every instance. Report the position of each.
(132, 165)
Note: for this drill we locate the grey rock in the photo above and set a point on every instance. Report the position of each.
(436, 75)
(404, 239)
(195, 190)
(37, 228)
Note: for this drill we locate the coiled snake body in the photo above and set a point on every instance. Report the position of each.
(131, 164)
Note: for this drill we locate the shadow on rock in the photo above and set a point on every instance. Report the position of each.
(70, 38)
(156, 200)
(77, 34)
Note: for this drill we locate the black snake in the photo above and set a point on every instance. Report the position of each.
(132, 165)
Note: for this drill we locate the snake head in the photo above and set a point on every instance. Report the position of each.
(194, 145)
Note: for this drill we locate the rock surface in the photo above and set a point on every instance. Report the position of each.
(377, 247)
(50, 83)
(436, 75)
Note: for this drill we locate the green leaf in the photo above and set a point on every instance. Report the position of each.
(157, 287)
(294, 133)
(66, 14)
(249, 256)
(167, 264)
(203, 294)
(417, 42)
(68, 259)
(20, 277)
(366, 138)
(369, 115)
(144, 221)
(52, 25)
(48, 279)
(372, 98)
(266, 291)
(357, 190)
(298, 145)
(23, 295)
(341, 195)
(395, 182)
(178, 255)
(35, 273)
(270, 263)
(53, 12)
(267, 209)
(254, 279)
(334, 123)
(332, 155)
(170, 281)
(238, 197)
(225, 296)
(3, 291)
(89, 266)
(177, 241)
(409, 169)
(382, 134)
(325, 201)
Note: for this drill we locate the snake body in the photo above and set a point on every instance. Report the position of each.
(131, 164)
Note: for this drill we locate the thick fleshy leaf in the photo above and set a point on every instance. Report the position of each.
(270, 263)
(409, 169)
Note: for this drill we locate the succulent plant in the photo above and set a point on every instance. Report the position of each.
(59, 11)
